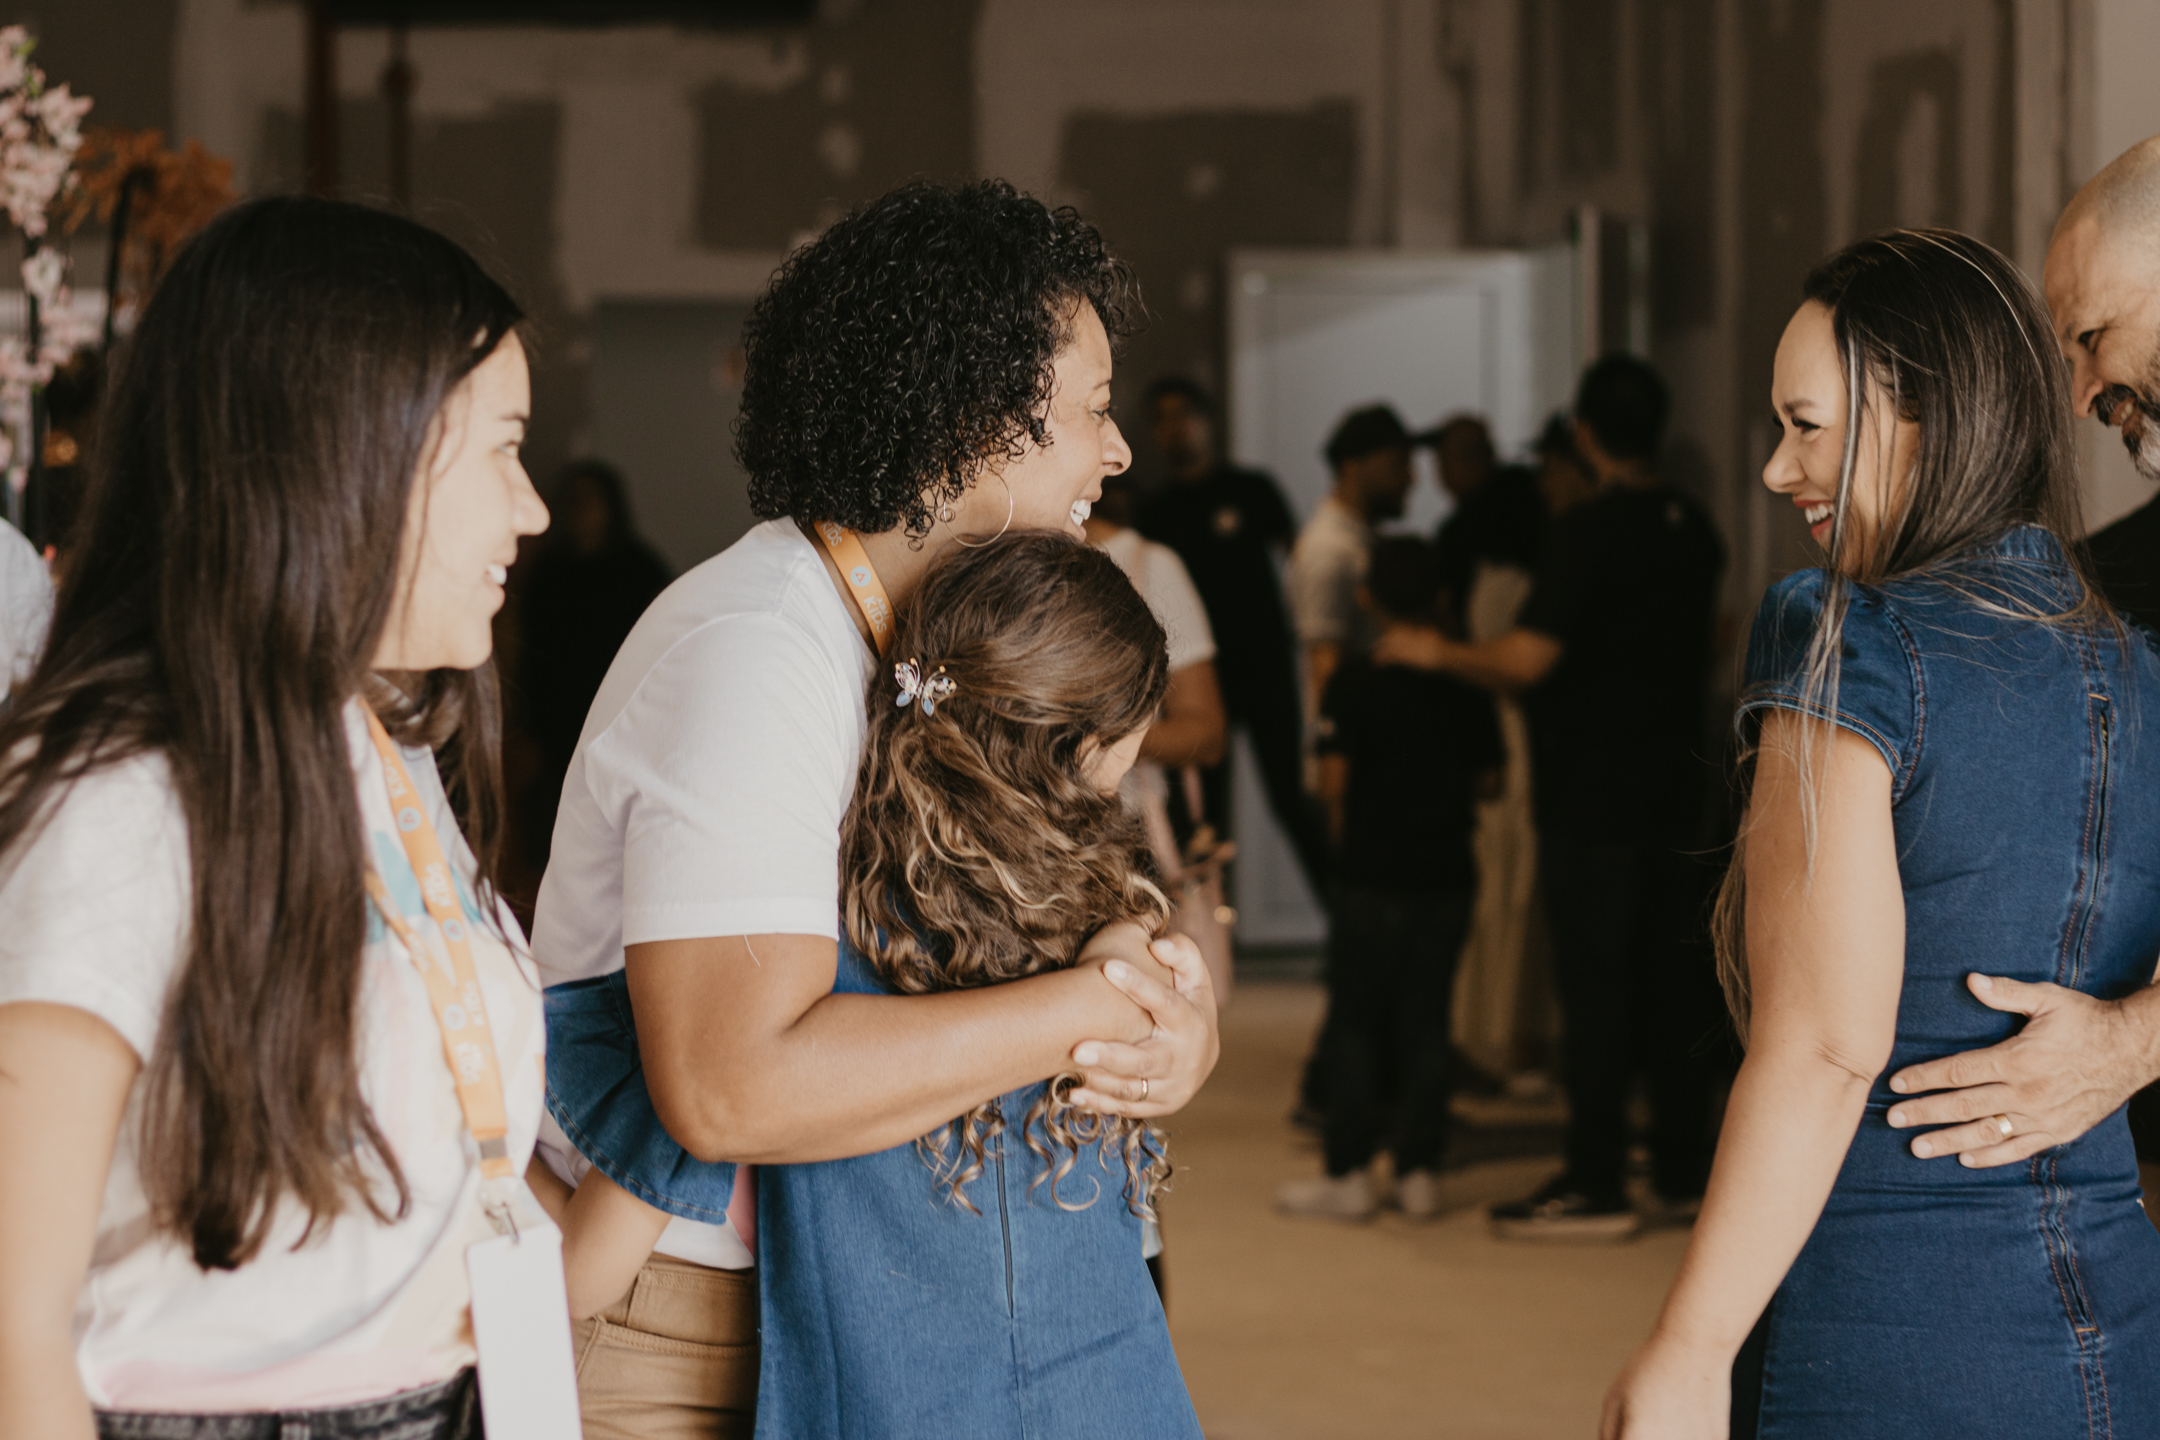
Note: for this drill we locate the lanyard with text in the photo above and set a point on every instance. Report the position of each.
(451, 977)
(862, 581)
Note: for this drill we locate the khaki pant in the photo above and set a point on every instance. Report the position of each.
(675, 1359)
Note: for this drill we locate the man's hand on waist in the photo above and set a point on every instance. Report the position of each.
(2074, 1063)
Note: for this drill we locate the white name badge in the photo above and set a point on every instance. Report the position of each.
(521, 1323)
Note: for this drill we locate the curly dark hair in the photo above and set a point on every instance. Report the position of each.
(911, 345)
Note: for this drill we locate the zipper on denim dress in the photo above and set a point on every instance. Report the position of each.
(1005, 1224)
(2096, 857)
(2055, 1197)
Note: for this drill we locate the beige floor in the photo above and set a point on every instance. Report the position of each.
(1295, 1329)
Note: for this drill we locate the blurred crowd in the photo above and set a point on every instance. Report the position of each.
(1484, 747)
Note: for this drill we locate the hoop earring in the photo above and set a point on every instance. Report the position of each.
(979, 544)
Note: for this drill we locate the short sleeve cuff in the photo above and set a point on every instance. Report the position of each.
(776, 915)
(1753, 704)
(132, 1021)
(1877, 686)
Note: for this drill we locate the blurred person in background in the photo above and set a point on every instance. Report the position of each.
(1405, 753)
(1230, 526)
(1611, 654)
(1498, 518)
(593, 577)
(1564, 478)
(1369, 453)
(1189, 733)
(1488, 549)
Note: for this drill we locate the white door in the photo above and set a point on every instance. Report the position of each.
(1314, 334)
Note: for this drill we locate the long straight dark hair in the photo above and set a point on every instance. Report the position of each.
(229, 581)
(1935, 328)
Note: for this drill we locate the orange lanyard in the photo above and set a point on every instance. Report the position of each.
(862, 581)
(452, 979)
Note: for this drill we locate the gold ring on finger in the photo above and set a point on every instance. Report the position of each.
(1144, 1089)
(2007, 1127)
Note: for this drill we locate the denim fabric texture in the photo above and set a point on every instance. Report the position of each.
(596, 1092)
(2022, 1301)
(449, 1411)
(888, 1310)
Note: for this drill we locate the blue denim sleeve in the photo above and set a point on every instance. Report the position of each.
(1872, 692)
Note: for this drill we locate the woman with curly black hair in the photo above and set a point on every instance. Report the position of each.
(931, 372)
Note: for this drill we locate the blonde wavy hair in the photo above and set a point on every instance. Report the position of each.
(975, 850)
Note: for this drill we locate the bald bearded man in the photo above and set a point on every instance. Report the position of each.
(2077, 1059)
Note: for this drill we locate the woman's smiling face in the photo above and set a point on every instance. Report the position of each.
(470, 503)
(1808, 390)
(1054, 484)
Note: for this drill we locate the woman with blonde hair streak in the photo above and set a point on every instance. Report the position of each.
(1952, 748)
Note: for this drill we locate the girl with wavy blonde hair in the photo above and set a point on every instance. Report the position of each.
(991, 1273)
(987, 840)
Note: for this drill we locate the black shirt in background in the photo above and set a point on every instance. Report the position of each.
(577, 611)
(2126, 562)
(1225, 526)
(1502, 521)
(1416, 741)
(1628, 585)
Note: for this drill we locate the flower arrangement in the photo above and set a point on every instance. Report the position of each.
(152, 198)
(40, 131)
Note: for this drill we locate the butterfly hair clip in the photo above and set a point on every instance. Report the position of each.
(913, 683)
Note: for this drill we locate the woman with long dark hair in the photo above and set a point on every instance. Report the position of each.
(239, 1178)
(1951, 745)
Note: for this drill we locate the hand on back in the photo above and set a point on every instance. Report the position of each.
(2074, 1063)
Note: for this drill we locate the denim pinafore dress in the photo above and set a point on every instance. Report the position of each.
(889, 1310)
(2021, 1301)
(885, 1309)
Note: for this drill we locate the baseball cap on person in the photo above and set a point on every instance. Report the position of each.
(1368, 431)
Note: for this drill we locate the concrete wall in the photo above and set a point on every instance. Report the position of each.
(1753, 136)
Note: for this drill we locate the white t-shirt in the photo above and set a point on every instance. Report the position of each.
(1326, 567)
(97, 906)
(26, 605)
(707, 789)
(1161, 578)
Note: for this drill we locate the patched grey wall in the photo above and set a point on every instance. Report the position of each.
(487, 181)
(1784, 231)
(1174, 193)
(884, 96)
(1750, 136)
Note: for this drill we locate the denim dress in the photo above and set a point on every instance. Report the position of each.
(1931, 1299)
(885, 1309)
(888, 1310)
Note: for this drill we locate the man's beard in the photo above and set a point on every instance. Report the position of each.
(2141, 430)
